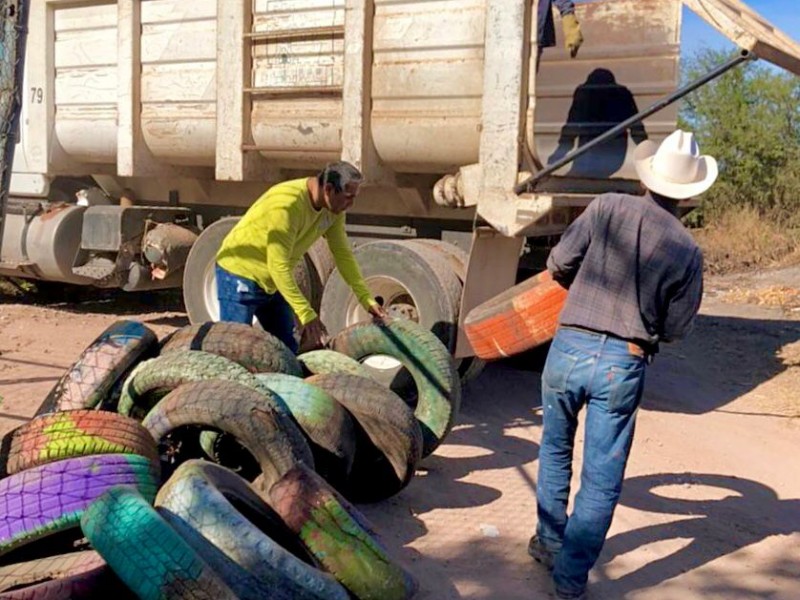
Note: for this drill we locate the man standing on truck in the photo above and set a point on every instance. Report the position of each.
(256, 261)
(635, 279)
(569, 23)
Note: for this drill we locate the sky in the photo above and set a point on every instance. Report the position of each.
(697, 34)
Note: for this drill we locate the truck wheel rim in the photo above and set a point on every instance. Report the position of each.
(390, 293)
(210, 291)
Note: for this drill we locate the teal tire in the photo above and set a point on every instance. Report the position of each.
(150, 557)
(426, 358)
(240, 536)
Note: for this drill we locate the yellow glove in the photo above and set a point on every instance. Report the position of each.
(572, 34)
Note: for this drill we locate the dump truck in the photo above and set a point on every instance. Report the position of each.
(149, 126)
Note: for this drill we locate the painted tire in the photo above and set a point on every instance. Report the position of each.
(470, 367)
(388, 454)
(327, 425)
(51, 498)
(428, 361)
(255, 349)
(102, 366)
(147, 554)
(240, 536)
(338, 536)
(319, 362)
(153, 379)
(521, 318)
(73, 576)
(72, 433)
(250, 416)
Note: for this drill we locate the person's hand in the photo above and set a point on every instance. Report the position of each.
(378, 313)
(314, 335)
(573, 38)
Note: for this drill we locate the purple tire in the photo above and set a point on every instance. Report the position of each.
(44, 500)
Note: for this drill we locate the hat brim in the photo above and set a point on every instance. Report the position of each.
(643, 161)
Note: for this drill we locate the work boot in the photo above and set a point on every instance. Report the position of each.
(540, 554)
(564, 595)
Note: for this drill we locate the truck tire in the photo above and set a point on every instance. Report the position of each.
(150, 557)
(411, 282)
(200, 281)
(469, 367)
(248, 415)
(255, 349)
(327, 425)
(387, 456)
(237, 533)
(51, 498)
(521, 318)
(73, 433)
(339, 537)
(428, 361)
(104, 363)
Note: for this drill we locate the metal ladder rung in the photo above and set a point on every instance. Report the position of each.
(296, 34)
(295, 90)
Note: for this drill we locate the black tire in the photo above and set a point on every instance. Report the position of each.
(388, 454)
(248, 415)
(428, 361)
(319, 265)
(147, 554)
(240, 536)
(428, 281)
(91, 380)
(255, 349)
(339, 537)
(155, 378)
(471, 367)
(328, 426)
(199, 280)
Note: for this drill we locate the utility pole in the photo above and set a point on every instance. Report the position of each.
(13, 34)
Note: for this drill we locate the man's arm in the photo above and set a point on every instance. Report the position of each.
(566, 258)
(280, 242)
(346, 262)
(683, 305)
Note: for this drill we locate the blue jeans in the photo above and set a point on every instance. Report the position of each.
(241, 299)
(601, 372)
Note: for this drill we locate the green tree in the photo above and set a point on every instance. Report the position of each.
(749, 119)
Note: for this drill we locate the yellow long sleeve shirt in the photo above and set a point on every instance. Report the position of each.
(276, 232)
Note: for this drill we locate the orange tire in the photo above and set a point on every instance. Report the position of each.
(521, 318)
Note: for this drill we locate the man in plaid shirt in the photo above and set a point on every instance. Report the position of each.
(635, 279)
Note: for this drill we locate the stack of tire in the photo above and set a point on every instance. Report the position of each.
(216, 464)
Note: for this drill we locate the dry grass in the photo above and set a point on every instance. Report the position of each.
(742, 240)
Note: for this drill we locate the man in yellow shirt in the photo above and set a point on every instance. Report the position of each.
(256, 261)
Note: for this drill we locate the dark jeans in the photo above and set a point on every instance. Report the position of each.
(241, 299)
(598, 371)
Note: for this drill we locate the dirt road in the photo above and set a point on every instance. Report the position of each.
(711, 505)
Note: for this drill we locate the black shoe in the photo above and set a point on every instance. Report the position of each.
(564, 595)
(540, 554)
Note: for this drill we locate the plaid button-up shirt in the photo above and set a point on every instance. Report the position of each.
(632, 270)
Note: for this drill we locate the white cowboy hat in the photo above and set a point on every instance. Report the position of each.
(675, 168)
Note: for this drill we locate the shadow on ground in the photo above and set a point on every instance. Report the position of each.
(498, 403)
(747, 513)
